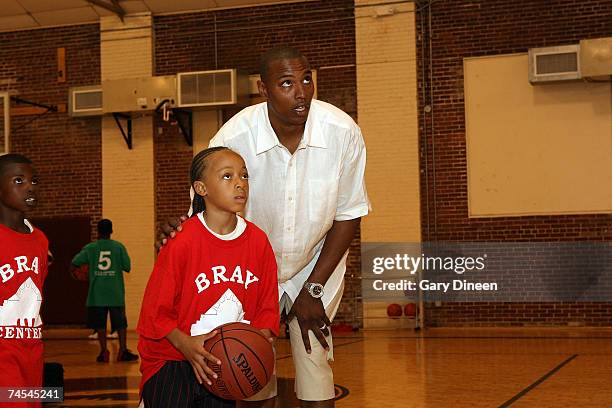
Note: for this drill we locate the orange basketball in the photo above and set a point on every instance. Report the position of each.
(81, 273)
(394, 310)
(410, 310)
(247, 361)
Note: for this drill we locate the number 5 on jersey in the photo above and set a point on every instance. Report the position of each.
(104, 262)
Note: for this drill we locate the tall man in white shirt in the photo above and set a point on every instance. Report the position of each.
(306, 162)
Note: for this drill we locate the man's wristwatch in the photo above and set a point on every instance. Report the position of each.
(314, 289)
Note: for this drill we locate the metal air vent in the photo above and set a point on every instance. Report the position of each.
(213, 88)
(550, 64)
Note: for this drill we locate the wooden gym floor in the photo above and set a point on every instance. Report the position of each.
(526, 367)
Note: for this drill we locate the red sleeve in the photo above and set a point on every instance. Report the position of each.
(44, 266)
(158, 314)
(268, 314)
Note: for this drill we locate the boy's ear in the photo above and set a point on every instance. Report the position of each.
(263, 91)
(200, 188)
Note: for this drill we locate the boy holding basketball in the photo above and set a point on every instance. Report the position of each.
(23, 269)
(221, 269)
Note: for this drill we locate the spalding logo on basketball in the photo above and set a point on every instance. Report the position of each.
(247, 361)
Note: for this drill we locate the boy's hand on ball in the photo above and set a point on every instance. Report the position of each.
(192, 347)
(268, 334)
(169, 230)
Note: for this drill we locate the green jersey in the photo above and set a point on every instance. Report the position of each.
(107, 259)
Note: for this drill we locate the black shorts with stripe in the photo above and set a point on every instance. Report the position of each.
(175, 386)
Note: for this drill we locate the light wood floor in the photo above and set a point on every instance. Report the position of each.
(432, 368)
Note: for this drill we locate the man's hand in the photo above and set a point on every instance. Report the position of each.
(192, 347)
(169, 230)
(311, 316)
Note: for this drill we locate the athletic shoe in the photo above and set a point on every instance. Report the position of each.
(127, 355)
(93, 336)
(113, 335)
(103, 357)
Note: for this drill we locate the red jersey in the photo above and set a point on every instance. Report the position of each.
(23, 269)
(200, 282)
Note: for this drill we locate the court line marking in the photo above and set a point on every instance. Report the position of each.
(51, 338)
(537, 382)
(335, 347)
(483, 337)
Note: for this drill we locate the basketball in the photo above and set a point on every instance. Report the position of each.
(410, 310)
(247, 361)
(81, 273)
(394, 310)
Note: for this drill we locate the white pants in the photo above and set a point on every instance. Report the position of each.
(314, 379)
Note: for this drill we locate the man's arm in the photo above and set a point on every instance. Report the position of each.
(308, 310)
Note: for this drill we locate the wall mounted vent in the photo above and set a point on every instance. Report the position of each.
(552, 64)
(210, 89)
(85, 101)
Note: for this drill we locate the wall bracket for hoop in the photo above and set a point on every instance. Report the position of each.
(127, 136)
(184, 119)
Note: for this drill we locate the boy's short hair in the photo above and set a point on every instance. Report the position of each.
(105, 226)
(12, 158)
(275, 54)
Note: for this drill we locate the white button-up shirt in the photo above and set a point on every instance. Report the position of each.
(296, 197)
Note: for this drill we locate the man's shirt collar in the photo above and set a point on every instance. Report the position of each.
(266, 137)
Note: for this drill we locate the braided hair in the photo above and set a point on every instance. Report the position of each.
(198, 165)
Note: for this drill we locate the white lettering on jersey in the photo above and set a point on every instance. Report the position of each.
(237, 275)
(202, 282)
(21, 263)
(218, 272)
(250, 279)
(7, 271)
(34, 266)
(9, 332)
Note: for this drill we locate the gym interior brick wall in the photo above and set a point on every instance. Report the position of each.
(65, 150)
(460, 29)
(235, 38)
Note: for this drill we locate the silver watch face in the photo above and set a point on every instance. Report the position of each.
(315, 290)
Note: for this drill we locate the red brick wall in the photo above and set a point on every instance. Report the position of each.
(65, 150)
(461, 29)
(172, 162)
(323, 30)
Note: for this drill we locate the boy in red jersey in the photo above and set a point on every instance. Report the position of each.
(221, 269)
(23, 269)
